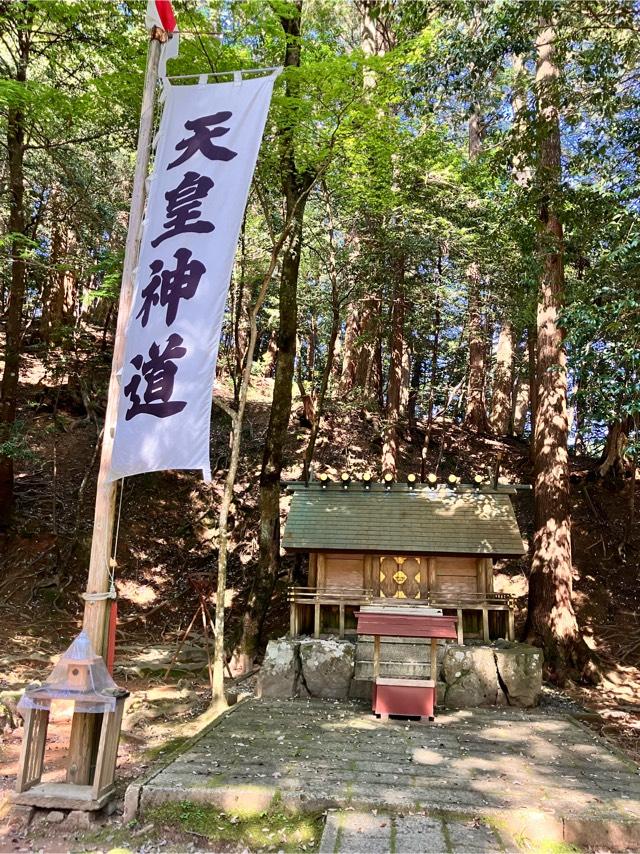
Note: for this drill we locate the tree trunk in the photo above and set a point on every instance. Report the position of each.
(365, 342)
(241, 325)
(613, 461)
(219, 659)
(532, 362)
(373, 383)
(394, 387)
(295, 188)
(348, 375)
(17, 225)
(336, 364)
(433, 378)
(270, 359)
(551, 621)
(521, 169)
(501, 401)
(307, 398)
(476, 411)
(521, 404)
(375, 40)
(331, 346)
(312, 343)
(405, 380)
(414, 388)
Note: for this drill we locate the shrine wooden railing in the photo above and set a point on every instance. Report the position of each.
(342, 597)
(330, 596)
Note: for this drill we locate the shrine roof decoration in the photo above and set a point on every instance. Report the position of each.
(398, 518)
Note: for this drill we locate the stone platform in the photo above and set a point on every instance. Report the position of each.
(541, 777)
(502, 673)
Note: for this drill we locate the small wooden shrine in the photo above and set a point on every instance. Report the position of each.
(433, 544)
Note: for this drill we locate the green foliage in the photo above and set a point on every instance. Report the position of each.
(14, 442)
(386, 137)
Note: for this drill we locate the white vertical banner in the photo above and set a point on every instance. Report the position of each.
(207, 149)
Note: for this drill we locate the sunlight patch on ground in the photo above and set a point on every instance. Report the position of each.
(139, 594)
(424, 756)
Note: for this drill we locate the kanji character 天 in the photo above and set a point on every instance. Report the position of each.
(159, 373)
(203, 133)
(173, 285)
(183, 207)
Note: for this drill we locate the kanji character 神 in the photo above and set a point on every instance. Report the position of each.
(203, 133)
(173, 285)
(183, 207)
(159, 373)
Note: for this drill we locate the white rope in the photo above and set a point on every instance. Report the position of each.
(99, 597)
(111, 592)
(115, 544)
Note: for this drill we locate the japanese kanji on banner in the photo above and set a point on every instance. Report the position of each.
(208, 145)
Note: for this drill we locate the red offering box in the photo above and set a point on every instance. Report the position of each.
(405, 625)
(407, 697)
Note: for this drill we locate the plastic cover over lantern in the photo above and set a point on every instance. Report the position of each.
(79, 675)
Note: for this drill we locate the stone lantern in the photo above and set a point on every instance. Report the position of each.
(82, 676)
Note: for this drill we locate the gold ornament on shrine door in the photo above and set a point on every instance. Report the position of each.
(400, 578)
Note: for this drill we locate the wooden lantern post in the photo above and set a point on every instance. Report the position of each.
(81, 677)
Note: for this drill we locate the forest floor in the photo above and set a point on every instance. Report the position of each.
(168, 528)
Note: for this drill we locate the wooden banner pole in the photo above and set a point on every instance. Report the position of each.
(96, 609)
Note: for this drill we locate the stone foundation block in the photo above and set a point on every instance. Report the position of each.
(470, 675)
(519, 670)
(327, 667)
(280, 671)
(508, 674)
(307, 667)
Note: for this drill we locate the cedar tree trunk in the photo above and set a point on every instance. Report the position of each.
(476, 412)
(551, 621)
(394, 388)
(348, 375)
(11, 374)
(501, 401)
(613, 462)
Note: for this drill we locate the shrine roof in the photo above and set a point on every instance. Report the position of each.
(399, 519)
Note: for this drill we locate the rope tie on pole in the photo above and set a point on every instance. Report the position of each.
(111, 592)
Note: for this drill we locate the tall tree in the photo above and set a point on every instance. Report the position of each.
(502, 394)
(295, 188)
(551, 620)
(16, 133)
(394, 384)
(476, 412)
(362, 353)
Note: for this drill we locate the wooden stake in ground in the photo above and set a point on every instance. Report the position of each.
(96, 602)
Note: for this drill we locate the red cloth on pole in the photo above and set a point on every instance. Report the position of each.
(160, 14)
(167, 16)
